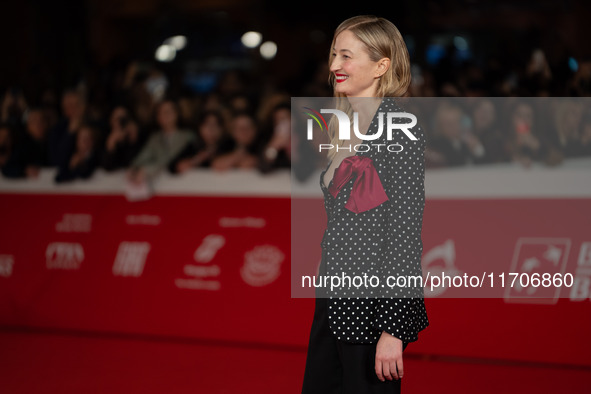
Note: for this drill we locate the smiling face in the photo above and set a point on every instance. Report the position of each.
(356, 75)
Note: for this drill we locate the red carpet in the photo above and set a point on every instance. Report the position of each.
(36, 362)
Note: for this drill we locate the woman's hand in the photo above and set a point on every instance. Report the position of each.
(116, 135)
(184, 165)
(388, 357)
(136, 176)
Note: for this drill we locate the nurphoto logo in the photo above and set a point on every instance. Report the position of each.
(344, 124)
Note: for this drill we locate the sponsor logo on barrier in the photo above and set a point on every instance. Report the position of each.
(262, 265)
(200, 271)
(440, 260)
(6, 264)
(581, 289)
(143, 220)
(197, 284)
(209, 248)
(131, 258)
(537, 256)
(64, 255)
(242, 222)
(204, 254)
(74, 223)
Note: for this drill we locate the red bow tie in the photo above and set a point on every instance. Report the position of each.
(368, 191)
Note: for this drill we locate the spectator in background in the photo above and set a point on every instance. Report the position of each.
(580, 84)
(486, 128)
(244, 145)
(567, 122)
(208, 144)
(5, 144)
(62, 137)
(585, 133)
(538, 75)
(124, 140)
(30, 152)
(84, 158)
(524, 143)
(161, 147)
(277, 152)
(454, 143)
(13, 108)
(48, 104)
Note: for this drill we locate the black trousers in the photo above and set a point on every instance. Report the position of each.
(337, 367)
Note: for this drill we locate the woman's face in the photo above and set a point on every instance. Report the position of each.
(243, 130)
(355, 73)
(72, 105)
(36, 124)
(210, 130)
(281, 115)
(484, 114)
(167, 116)
(450, 123)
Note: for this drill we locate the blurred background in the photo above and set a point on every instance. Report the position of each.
(145, 196)
(106, 66)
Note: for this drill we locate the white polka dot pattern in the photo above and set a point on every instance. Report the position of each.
(382, 241)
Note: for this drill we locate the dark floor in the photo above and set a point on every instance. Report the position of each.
(61, 363)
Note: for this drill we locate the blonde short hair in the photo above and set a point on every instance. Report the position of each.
(381, 39)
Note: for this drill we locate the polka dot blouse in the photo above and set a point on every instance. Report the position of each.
(382, 241)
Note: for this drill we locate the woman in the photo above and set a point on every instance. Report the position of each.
(525, 145)
(208, 144)
(83, 159)
(124, 140)
(277, 151)
(244, 147)
(30, 153)
(161, 147)
(356, 343)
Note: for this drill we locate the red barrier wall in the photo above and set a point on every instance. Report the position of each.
(219, 268)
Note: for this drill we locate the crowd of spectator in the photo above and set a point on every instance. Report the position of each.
(141, 125)
(485, 130)
(144, 133)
